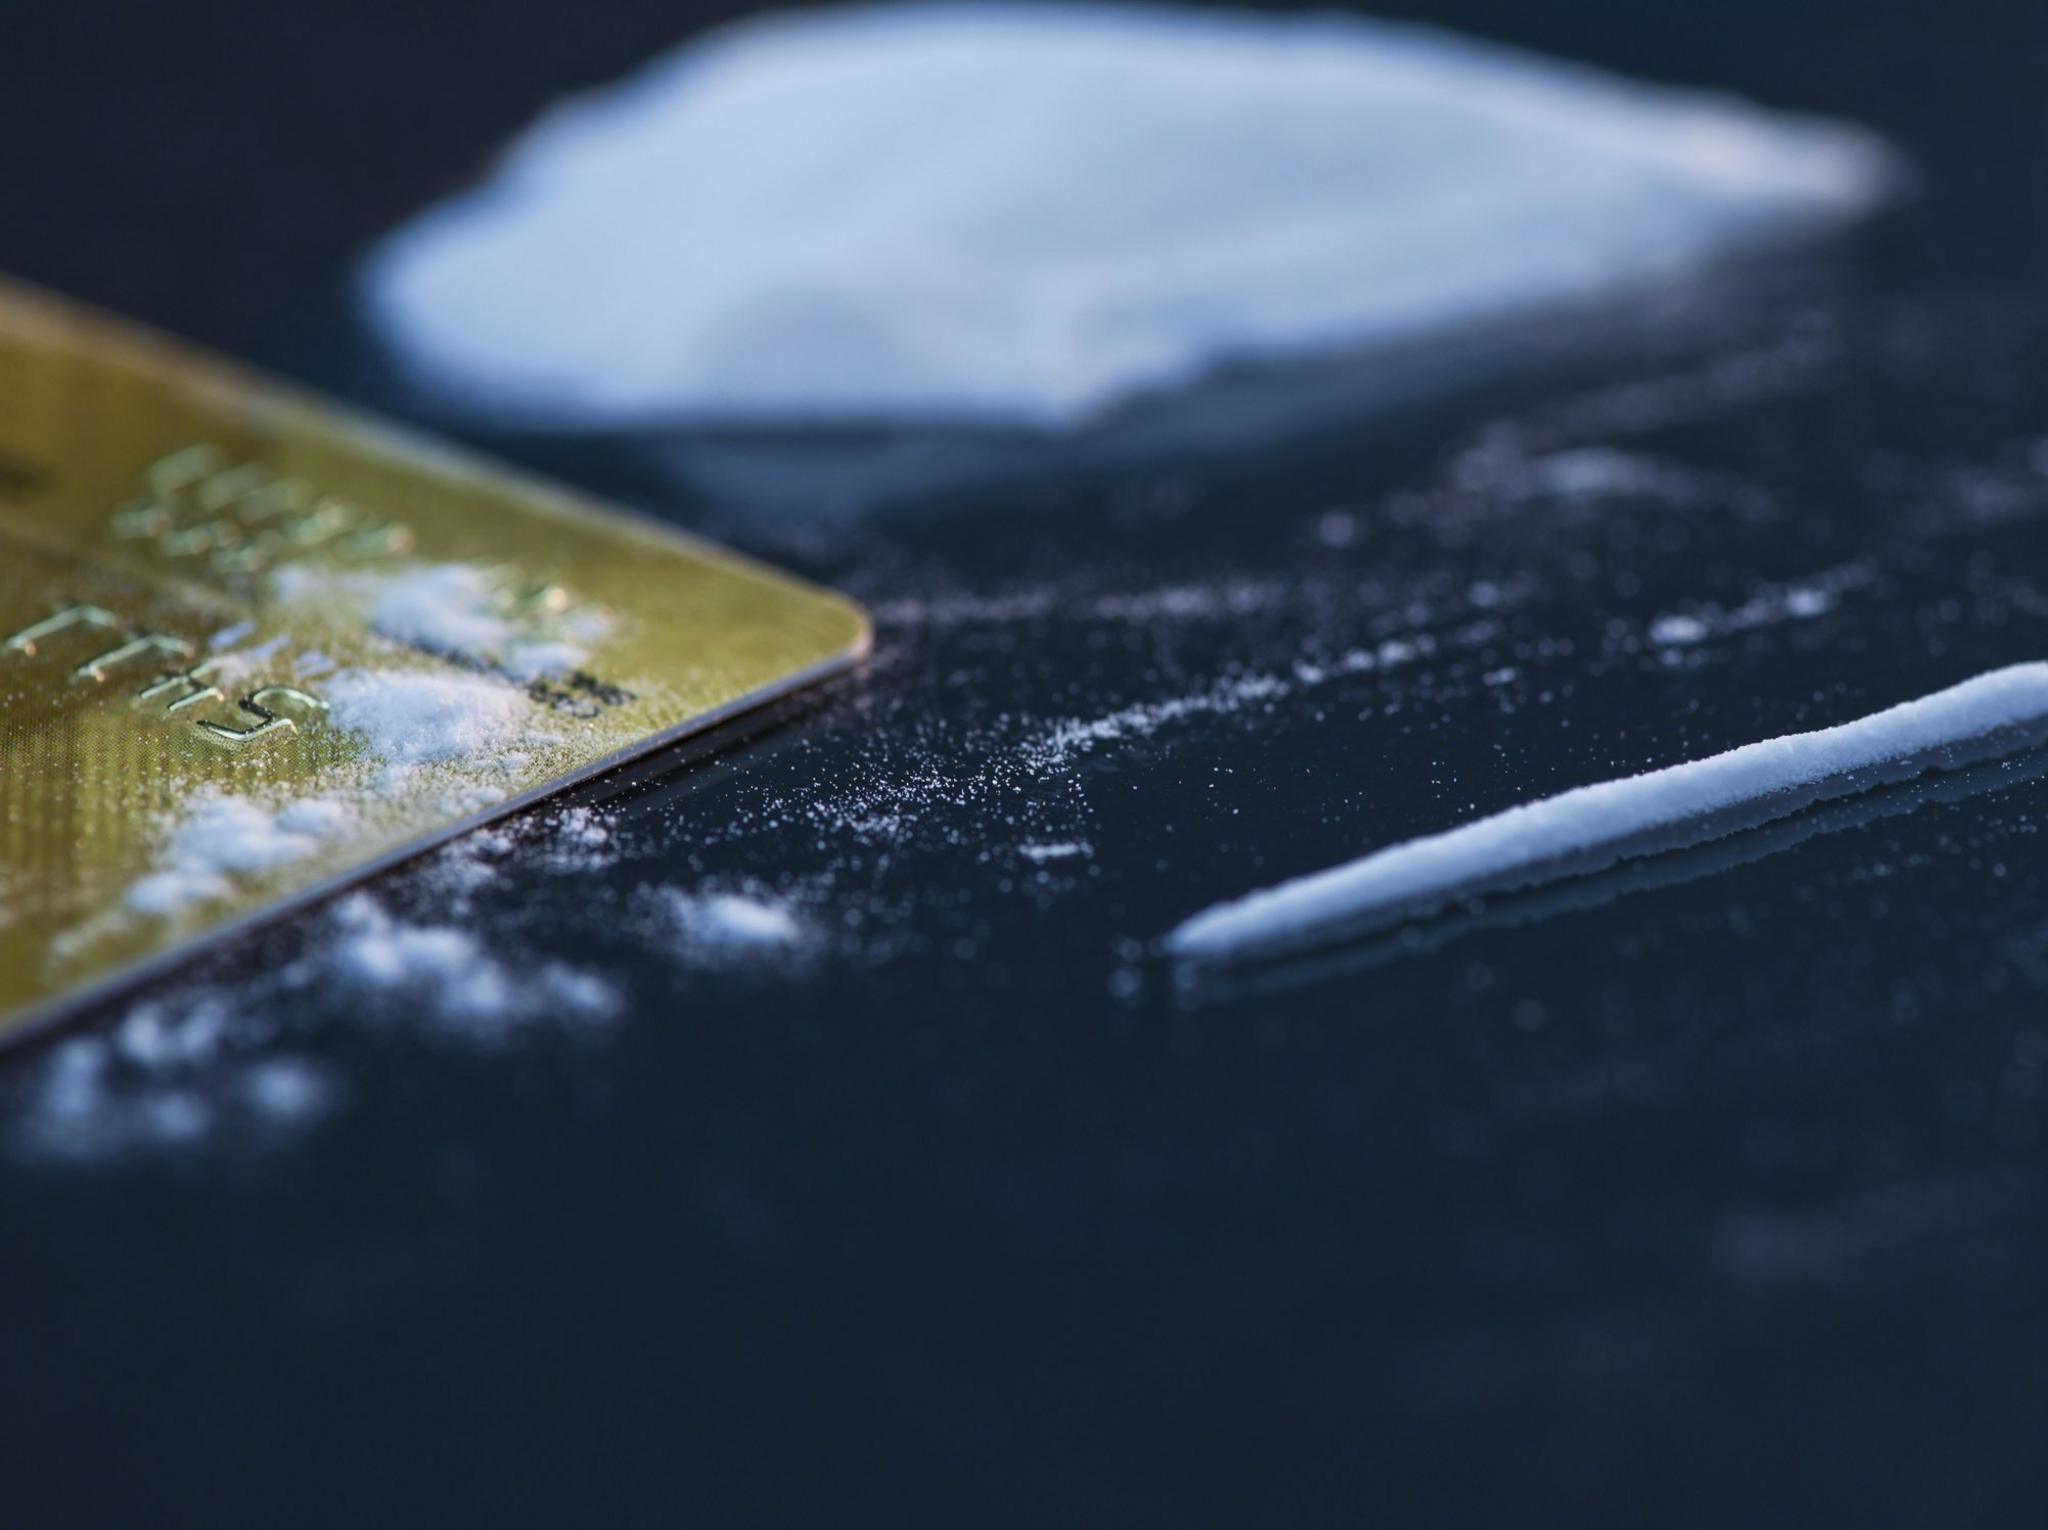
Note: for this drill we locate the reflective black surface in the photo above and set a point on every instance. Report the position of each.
(1709, 1194)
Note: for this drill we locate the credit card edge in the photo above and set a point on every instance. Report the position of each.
(254, 388)
(38, 1021)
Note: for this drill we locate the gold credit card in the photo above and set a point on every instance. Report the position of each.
(252, 646)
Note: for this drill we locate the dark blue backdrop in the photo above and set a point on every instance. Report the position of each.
(1718, 1201)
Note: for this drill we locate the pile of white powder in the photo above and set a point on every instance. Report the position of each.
(1028, 214)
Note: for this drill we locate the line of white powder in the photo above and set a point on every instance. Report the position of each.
(1592, 826)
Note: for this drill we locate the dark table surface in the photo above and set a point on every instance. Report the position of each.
(1710, 1195)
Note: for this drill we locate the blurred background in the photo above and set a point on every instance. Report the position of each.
(190, 142)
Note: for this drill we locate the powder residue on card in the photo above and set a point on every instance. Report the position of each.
(219, 837)
(418, 718)
(462, 611)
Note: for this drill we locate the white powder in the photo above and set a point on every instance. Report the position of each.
(574, 839)
(213, 1066)
(456, 608)
(443, 608)
(408, 719)
(219, 837)
(1029, 213)
(181, 1074)
(227, 637)
(1069, 739)
(1223, 600)
(1768, 607)
(379, 953)
(416, 718)
(315, 817)
(1059, 746)
(535, 661)
(727, 919)
(580, 828)
(728, 926)
(451, 609)
(170, 1076)
(1678, 631)
(1593, 472)
(457, 981)
(1591, 826)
